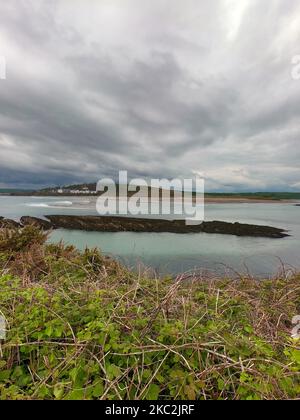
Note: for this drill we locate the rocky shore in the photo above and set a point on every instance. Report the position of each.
(126, 224)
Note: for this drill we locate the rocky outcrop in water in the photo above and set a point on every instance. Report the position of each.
(126, 224)
(8, 223)
(40, 223)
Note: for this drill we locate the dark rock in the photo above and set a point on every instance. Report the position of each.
(40, 223)
(8, 224)
(126, 224)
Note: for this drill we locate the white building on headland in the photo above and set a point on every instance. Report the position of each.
(84, 190)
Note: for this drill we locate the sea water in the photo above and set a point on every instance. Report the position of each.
(176, 253)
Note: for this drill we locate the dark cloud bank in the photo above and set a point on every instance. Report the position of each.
(161, 88)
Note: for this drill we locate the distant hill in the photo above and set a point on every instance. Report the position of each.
(244, 195)
(53, 191)
(13, 190)
(259, 195)
(91, 187)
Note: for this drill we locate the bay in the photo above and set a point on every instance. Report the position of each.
(177, 253)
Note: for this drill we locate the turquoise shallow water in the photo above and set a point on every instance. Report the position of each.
(175, 253)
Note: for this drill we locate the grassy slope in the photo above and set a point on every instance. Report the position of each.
(82, 327)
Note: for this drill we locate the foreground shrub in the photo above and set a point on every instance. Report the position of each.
(83, 327)
(14, 240)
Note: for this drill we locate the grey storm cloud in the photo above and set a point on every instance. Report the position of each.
(163, 88)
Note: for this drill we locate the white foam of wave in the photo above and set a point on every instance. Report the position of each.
(62, 203)
(49, 205)
(37, 205)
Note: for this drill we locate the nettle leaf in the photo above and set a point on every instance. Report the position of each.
(49, 331)
(112, 371)
(190, 392)
(295, 355)
(153, 392)
(5, 375)
(78, 376)
(2, 364)
(77, 394)
(59, 391)
(98, 390)
(44, 392)
(249, 329)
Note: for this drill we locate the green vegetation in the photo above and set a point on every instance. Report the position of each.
(257, 195)
(80, 326)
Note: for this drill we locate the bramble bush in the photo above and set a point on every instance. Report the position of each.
(81, 326)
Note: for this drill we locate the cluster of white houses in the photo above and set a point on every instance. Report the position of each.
(84, 190)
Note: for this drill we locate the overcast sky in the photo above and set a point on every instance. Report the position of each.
(161, 88)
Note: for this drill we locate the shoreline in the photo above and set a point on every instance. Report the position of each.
(248, 201)
(207, 200)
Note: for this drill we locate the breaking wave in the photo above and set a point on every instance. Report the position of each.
(52, 204)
